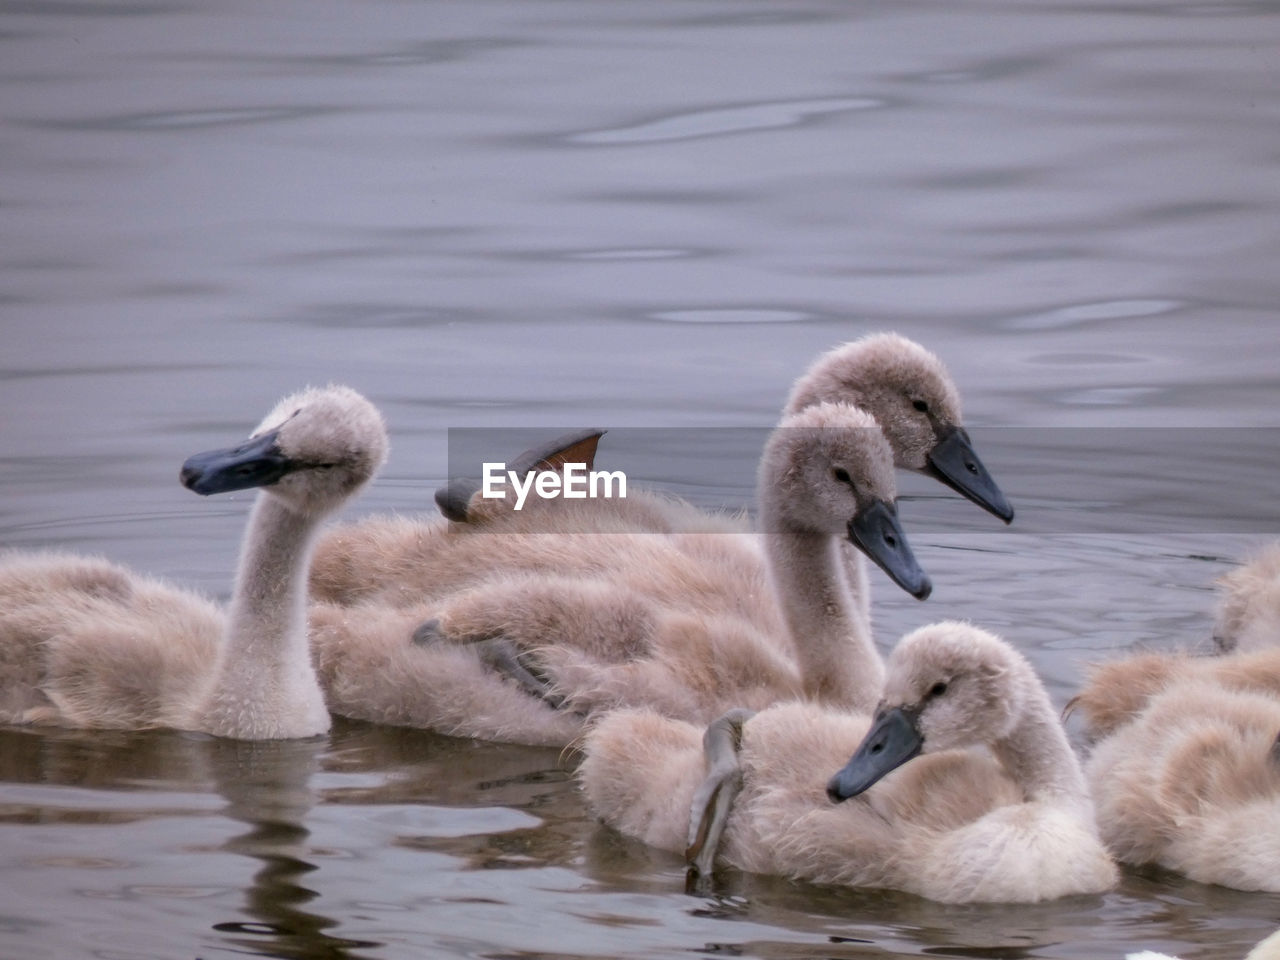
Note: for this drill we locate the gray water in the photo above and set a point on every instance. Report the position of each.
(555, 213)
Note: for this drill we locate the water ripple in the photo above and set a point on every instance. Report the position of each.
(726, 120)
(633, 253)
(1080, 313)
(607, 254)
(426, 53)
(188, 119)
(995, 68)
(53, 8)
(1084, 358)
(732, 315)
(377, 316)
(1109, 396)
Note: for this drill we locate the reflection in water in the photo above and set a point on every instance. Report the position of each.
(267, 786)
(500, 806)
(419, 830)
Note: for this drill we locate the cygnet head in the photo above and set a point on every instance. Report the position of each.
(828, 470)
(1248, 614)
(909, 392)
(315, 449)
(947, 685)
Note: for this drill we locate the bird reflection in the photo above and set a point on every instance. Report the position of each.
(267, 786)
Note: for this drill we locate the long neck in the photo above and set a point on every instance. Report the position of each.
(855, 572)
(839, 664)
(264, 685)
(1038, 756)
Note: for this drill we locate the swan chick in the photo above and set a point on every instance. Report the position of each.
(1193, 784)
(904, 386)
(1010, 825)
(1246, 636)
(665, 628)
(1266, 949)
(1247, 615)
(915, 401)
(951, 686)
(403, 560)
(87, 643)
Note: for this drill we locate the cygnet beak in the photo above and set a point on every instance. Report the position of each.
(875, 531)
(255, 463)
(892, 740)
(954, 461)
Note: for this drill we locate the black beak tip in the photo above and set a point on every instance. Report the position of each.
(954, 462)
(190, 477)
(922, 592)
(999, 506)
(833, 791)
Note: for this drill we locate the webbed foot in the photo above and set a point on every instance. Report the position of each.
(429, 632)
(712, 801)
(500, 655)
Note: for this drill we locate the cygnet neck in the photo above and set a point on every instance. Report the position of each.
(1038, 756)
(265, 656)
(838, 663)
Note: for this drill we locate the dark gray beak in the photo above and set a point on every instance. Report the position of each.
(875, 531)
(256, 463)
(953, 461)
(892, 740)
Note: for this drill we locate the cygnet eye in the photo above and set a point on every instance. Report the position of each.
(938, 689)
(841, 474)
(920, 405)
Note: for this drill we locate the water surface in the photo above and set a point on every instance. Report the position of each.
(645, 215)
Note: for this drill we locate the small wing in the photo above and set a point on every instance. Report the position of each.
(579, 446)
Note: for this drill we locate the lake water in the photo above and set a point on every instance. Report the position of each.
(643, 214)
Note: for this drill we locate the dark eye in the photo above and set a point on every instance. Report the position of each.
(841, 474)
(938, 689)
(920, 405)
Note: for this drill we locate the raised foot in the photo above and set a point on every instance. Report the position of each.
(712, 801)
(500, 655)
(429, 632)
